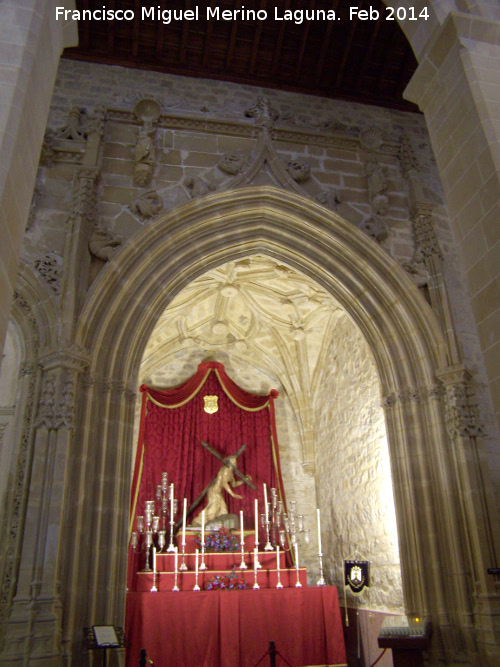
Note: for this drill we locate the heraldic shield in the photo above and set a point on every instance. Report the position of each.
(357, 575)
(210, 404)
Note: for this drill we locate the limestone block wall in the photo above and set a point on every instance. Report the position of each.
(354, 482)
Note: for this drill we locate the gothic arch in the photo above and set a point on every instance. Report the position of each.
(399, 326)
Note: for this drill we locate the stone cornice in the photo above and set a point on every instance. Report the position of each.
(245, 128)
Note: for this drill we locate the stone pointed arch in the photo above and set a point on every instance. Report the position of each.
(399, 326)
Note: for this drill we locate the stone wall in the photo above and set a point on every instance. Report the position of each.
(354, 481)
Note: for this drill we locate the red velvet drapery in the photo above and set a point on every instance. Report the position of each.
(173, 424)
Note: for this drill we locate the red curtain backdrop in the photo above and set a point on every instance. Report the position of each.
(173, 424)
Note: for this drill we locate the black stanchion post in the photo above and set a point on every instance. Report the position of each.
(143, 660)
(272, 654)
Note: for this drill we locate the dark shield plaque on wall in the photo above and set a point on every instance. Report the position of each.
(357, 575)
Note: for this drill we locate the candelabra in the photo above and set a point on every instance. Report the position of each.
(149, 523)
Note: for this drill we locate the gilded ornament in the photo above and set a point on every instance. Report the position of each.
(210, 404)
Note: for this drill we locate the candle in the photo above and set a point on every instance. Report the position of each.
(176, 555)
(154, 560)
(241, 530)
(266, 509)
(172, 502)
(278, 559)
(319, 532)
(203, 531)
(184, 510)
(256, 521)
(255, 559)
(296, 556)
(196, 565)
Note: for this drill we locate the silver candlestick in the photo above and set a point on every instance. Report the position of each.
(183, 564)
(321, 580)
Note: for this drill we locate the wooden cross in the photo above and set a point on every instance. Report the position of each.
(222, 459)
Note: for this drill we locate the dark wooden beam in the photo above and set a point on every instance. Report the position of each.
(325, 46)
(256, 41)
(160, 33)
(279, 41)
(136, 28)
(208, 39)
(111, 30)
(369, 48)
(184, 37)
(84, 29)
(345, 54)
(303, 41)
(232, 42)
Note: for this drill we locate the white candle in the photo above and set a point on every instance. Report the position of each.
(176, 555)
(203, 531)
(241, 530)
(196, 565)
(255, 559)
(296, 556)
(154, 560)
(319, 532)
(265, 503)
(184, 510)
(278, 558)
(256, 521)
(172, 502)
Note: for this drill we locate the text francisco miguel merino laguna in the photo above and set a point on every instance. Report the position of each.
(212, 13)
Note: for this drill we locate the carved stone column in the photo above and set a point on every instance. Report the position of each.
(475, 507)
(35, 626)
(76, 261)
(427, 245)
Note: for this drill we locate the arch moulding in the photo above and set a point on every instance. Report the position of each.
(121, 310)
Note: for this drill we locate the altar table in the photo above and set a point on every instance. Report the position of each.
(234, 628)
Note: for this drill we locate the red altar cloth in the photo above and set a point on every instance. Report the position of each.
(234, 628)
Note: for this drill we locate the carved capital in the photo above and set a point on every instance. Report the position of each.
(72, 357)
(424, 232)
(47, 404)
(461, 410)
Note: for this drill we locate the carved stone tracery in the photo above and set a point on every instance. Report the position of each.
(50, 268)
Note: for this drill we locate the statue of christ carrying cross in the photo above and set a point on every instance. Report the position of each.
(224, 481)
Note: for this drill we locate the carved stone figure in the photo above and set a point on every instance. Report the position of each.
(417, 269)
(198, 186)
(376, 228)
(263, 113)
(299, 171)
(329, 198)
(233, 163)
(144, 161)
(103, 244)
(147, 205)
(377, 187)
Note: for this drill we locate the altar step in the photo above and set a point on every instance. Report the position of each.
(186, 580)
(225, 560)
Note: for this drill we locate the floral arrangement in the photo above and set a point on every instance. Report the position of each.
(229, 582)
(219, 540)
